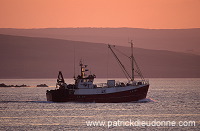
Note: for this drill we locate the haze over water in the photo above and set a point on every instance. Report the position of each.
(168, 99)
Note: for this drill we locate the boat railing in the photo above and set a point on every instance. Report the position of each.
(123, 84)
(140, 82)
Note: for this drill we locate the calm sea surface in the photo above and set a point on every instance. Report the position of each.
(169, 101)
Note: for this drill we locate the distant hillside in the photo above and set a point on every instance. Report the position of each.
(30, 57)
(178, 40)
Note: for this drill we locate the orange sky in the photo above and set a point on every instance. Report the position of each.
(100, 13)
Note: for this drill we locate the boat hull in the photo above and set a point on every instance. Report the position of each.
(66, 95)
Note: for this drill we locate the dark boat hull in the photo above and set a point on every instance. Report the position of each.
(66, 95)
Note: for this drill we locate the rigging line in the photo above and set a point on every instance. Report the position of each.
(107, 62)
(126, 75)
(122, 68)
(129, 57)
(121, 65)
(121, 52)
(138, 69)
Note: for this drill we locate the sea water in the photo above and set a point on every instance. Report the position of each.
(171, 104)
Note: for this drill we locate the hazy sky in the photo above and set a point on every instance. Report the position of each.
(100, 13)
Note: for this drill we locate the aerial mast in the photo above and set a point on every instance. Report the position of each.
(132, 60)
(82, 69)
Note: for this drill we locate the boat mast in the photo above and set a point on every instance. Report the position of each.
(74, 64)
(132, 61)
(134, 66)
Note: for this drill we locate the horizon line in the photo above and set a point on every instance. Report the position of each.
(101, 28)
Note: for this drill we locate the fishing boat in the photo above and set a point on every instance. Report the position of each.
(84, 89)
